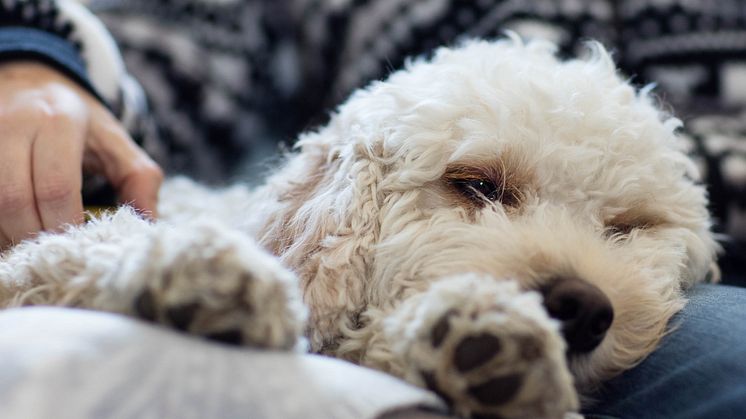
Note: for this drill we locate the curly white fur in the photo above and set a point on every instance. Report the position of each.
(397, 267)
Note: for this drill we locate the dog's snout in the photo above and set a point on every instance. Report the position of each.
(584, 310)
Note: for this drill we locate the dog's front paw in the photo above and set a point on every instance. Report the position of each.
(209, 281)
(489, 351)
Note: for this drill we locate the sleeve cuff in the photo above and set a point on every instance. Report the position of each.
(29, 43)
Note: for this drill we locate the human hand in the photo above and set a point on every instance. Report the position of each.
(51, 131)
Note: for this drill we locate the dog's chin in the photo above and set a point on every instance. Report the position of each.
(590, 369)
(573, 357)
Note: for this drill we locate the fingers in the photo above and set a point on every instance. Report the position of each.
(46, 125)
(139, 187)
(135, 176)
(18, 216)
(57, 158)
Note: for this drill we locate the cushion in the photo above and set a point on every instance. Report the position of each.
(70, 363)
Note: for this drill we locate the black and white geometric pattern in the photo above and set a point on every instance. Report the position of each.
(230, 77)
(696, 52)
(39, 14)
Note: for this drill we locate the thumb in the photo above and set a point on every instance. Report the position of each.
(133, 174)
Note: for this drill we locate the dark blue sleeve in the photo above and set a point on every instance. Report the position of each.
(30, 43)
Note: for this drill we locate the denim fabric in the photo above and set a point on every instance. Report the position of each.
(699, 371)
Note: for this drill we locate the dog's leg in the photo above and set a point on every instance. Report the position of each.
(200, 277)
(482, 345)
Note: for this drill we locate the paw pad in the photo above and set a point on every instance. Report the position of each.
(231, 337)
(486, 416)
(145, 306)
(498, 390)
(530, 349)
(181, 316)
(441, 329)
(474, 351)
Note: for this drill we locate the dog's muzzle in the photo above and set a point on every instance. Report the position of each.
(584, 310)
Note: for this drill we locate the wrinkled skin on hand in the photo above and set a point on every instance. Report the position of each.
(51, 131)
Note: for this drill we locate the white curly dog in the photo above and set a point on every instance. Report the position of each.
(502, 227)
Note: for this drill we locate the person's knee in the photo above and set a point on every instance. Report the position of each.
(698, 371)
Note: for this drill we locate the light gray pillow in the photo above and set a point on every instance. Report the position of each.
(66, 363)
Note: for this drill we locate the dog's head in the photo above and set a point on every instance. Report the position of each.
(498, 158)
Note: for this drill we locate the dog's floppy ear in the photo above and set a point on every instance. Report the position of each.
(296, 188)
(328, 221)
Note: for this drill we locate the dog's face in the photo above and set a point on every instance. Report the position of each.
(498, 158)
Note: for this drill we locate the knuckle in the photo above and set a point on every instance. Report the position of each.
(158, 173)
(15, 198)
(51, 114)
(40, 108)
(35, 113)
(35, 106)
(148, 169)
(47, 111)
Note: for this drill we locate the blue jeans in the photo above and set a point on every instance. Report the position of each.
(699, 371)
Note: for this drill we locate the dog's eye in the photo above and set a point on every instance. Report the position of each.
(477, 188)
(625, 229)
(479, 185)
(632, 221)
(620, 229)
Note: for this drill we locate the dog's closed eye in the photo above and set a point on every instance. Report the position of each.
(626, 223)
(621, 229)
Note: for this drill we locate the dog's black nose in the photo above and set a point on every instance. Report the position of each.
(584, 310)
